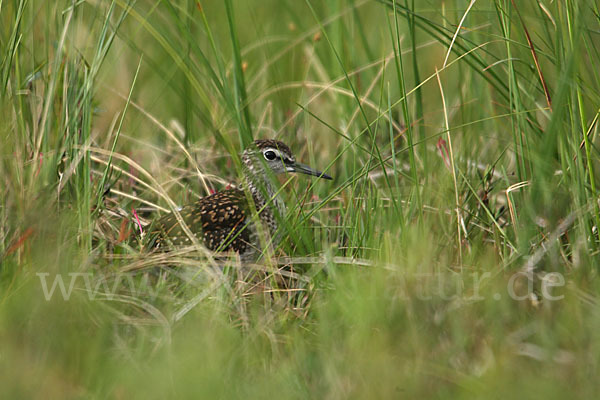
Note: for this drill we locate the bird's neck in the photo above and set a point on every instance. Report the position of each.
(262, 187)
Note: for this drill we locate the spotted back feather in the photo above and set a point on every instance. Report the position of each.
(217, 220)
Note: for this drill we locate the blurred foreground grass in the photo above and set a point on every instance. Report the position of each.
(455, 255)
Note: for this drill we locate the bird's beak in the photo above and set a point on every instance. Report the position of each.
(305, 169)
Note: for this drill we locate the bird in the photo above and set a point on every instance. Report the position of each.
(223, 221)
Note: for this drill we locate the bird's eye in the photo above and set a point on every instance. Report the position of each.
(270, 155)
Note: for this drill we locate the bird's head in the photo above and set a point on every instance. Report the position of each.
(278, 157)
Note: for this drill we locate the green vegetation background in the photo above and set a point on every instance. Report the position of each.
(463, 139)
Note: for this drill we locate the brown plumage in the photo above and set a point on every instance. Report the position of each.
(222, 221)
(216, 220)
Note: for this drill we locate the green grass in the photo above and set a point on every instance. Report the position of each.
(465, 197)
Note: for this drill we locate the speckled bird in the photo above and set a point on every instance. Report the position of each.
(222, 221)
